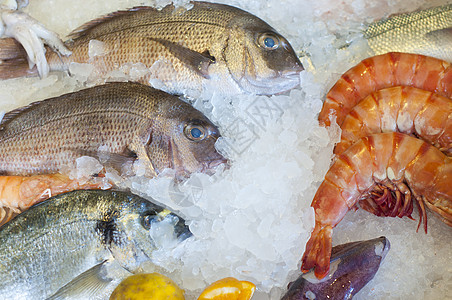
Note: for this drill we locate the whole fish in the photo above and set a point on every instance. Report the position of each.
(353, 265)
(185, 51)
(66, 245)
(427, 32)
(124, 121)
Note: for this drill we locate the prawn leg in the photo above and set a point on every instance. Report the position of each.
(386, 172)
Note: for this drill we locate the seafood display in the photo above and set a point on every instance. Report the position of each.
(184, 50)
(249, 219)
(59, 247)
(383, 71)
(353, 265)
(404, 109)
(386, 172)
(424, 32)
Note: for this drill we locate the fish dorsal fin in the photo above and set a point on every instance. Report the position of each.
(12, 114)
(85, 286)
(199, 62)
(87, 27)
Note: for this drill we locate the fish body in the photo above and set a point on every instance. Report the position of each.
(58, 246)
(125, 121)
(185, 51)
(427, 32)
(353, 265)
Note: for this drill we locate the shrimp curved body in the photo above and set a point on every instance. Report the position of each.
(17, 193)
(385, 172)
(383, 71)
(403, 109)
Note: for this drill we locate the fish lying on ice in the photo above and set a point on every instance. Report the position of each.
(185, 50)
(65, 246)
(427, 32)
(116, 122)
(353, 265)
(127, 121)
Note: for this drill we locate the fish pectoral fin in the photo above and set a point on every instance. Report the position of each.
(439, 36)
(115, 160)
(199, 62)
(85, 286)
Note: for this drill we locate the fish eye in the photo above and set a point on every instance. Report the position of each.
(147, 221)
(195, 132)
(268, 41)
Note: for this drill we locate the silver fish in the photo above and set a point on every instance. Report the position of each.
(66, 244)
(427, 32)
(353, 265)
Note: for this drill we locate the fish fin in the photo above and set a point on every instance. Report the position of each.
(439, 36)
(12, 114)
(88, 285)
(13, 60)
(84, 29)
(115, 160)
(199, 62)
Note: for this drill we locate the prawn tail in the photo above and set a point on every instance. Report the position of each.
(6, 214)
(13, 60)
(318, 251)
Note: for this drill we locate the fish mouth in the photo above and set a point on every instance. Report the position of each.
(383, 248)
(209, 166)
(181, 230)
(281, 82)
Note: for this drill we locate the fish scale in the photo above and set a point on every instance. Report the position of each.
(123, 118)
(427, 32)
(187, 49)
(45, 248)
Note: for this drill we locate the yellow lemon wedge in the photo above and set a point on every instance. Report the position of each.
(151, 286)
(228, 288)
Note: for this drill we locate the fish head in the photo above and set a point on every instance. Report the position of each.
(260, 60)
(153, 227)
(184, 140)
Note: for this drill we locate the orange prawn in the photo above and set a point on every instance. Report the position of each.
(405, 109)
(17, 193)
(383, 71)
(386, 172)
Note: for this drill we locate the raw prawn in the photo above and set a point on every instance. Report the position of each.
(386, 172)
(383, 71)
(404, 109)
(17, 193)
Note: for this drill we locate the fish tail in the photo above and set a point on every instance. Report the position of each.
(13, 60)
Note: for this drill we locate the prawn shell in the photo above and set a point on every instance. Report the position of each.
(383, 71)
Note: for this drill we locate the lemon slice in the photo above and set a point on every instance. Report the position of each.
(228, 288)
